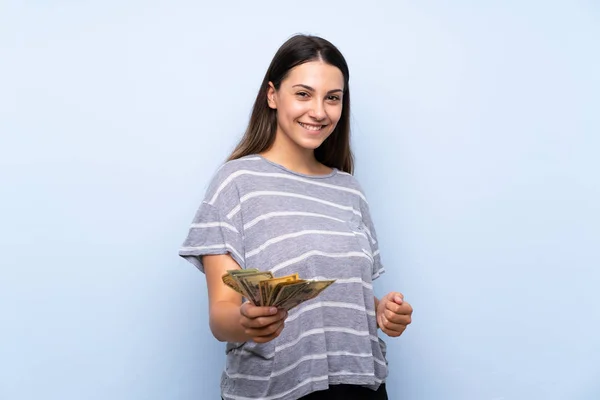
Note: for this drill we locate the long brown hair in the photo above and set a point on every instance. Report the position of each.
(335, 151)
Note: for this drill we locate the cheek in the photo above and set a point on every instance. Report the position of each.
(335, 114)
(292, 110)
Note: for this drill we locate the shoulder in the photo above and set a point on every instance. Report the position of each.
(222, 181)
(350, 182)
(235, 166)
(347, 178)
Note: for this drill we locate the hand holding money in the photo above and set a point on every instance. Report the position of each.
(262, 289)
(262, 324)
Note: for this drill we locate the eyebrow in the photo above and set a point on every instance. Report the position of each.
(313, 90)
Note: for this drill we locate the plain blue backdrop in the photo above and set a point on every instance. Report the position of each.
(476, 130)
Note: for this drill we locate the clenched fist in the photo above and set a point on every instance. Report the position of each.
(393, 314)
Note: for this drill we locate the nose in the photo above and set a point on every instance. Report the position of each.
(317, 111)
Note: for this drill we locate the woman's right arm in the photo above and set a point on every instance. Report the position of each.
(229, 319)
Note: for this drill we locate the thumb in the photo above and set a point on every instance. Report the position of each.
(397, 298)
(249, 310)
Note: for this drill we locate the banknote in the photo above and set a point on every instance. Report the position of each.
(229, 281)
(306, 291)
(286, 291)
(267, 286)
(249, 283)
(242, 271)
(262, 289)
(232, 283)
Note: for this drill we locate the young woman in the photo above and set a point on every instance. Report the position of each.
(286, 202)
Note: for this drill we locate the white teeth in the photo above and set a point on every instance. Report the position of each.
(311, 127)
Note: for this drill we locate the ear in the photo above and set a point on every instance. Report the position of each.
(271, 96)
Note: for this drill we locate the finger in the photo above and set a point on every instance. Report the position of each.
(403, 308)
(392, 333)
(403, 319)
(278, 331)
(276, 334)
(265, 339)
(261, 322)
(393, 307)
(249, 310)
(389, 326)
(396, 297)
(265, 331)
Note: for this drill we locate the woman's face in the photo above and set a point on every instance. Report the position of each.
(308, 104)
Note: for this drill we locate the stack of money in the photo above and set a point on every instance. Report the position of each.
(262, 289)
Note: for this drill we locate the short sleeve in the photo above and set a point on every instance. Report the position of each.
(211, 232)
(378, 267)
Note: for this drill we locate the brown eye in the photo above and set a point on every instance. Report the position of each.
(333, 98)
(302, 94)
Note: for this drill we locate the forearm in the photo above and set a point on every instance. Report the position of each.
(376, 300)
(225, 322)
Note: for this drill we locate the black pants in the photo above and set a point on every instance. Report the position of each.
(348, 392)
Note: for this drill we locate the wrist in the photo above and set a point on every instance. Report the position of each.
(224, 322)
(376, 302)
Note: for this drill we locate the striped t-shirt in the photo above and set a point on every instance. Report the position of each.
(268, 217)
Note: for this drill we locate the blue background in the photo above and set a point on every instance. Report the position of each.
(476, 131)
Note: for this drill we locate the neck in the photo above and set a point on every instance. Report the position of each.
(295, 158)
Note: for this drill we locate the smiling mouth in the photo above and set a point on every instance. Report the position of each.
(310, 127)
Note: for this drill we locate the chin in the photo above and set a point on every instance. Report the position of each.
(310, 145)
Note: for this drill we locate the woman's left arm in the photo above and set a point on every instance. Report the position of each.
(392, 312)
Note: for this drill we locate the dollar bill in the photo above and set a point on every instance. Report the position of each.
(242, 271)
(286, 291)
(275, 293)
(262, 289)
(267, 286)
(249, 284)
(306, 291)
(232, 283)
(229, 281)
